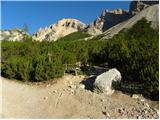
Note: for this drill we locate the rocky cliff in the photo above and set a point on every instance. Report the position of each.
(62, 28)
(107, 19)
(151, 14)
(13, 35)
(138, 5)
(107, 22)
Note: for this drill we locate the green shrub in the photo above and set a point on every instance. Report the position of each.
(17, 67)
(134, 52)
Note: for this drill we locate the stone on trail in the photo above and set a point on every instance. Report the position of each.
(104, 82)
(135, 96)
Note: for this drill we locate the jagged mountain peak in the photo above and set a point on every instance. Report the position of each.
(63, 27)
(106, 20)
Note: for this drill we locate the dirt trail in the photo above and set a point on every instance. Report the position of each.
(66, 99)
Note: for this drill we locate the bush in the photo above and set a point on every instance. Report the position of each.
(134, 52)
(17, 68)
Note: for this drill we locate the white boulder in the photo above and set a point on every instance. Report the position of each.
(103, 82)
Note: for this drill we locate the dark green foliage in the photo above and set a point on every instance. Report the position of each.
(17, 67)
(75, 36)
(134, 52)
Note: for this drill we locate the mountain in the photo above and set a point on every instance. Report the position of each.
(106, 25)
(138, 5)
(150, 13)
(75, 36)
(56, 31)
(13, 35)
(106, 20)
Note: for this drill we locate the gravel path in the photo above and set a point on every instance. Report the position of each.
(67, 98)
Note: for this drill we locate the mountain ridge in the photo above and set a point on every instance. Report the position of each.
(104, 24)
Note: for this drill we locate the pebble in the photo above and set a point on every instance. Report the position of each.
(102, 100)
(48, 85)
(134, 96)
(72, 86)
(106, 114)
(82, 86)
(121, 110)
(142, 100)
(72, 91)
(45, 98)
(54, 91)
(139, 117)
(147, 105)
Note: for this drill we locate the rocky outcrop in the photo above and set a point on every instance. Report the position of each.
(12, 35)
(150, 13)
(138, 5)
(56, 31)
(104, 82)
(107, 20)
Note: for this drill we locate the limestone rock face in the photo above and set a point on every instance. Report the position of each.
(139, 5)
(103, 82)
(62, 28)
(108, 19)
(12, 35)
(151, 14)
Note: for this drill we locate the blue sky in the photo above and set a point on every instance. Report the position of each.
(42, 14)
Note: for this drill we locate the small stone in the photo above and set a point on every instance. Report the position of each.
(72, 91)
(73, 86)
(121, 110)
(48, 85)
(156, 110)
(45, 98)
(139, 117)
(147, 105)
(142, 100)
(145, 111)
(82, 86)
(54, 91)
(134, 96)
(106, 114)
(155, 116)
(102, 100)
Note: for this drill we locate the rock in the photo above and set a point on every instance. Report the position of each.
(147, 105)
(121, 110)
(139, 5)
(134, 96)
(72, 91)
(151, 14)
(54, 91)
(48, 85)
(73, 86)
(102, 100)
(61, 29)
(140, 117)
(105, 114)
(13, 35)
(103, 82)
(82, 86)
(142, 100)
(45, 98)
(107, 20)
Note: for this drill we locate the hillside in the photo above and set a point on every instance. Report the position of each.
(151, 14)
(75, 36)
(108, 69)
(56, 31)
